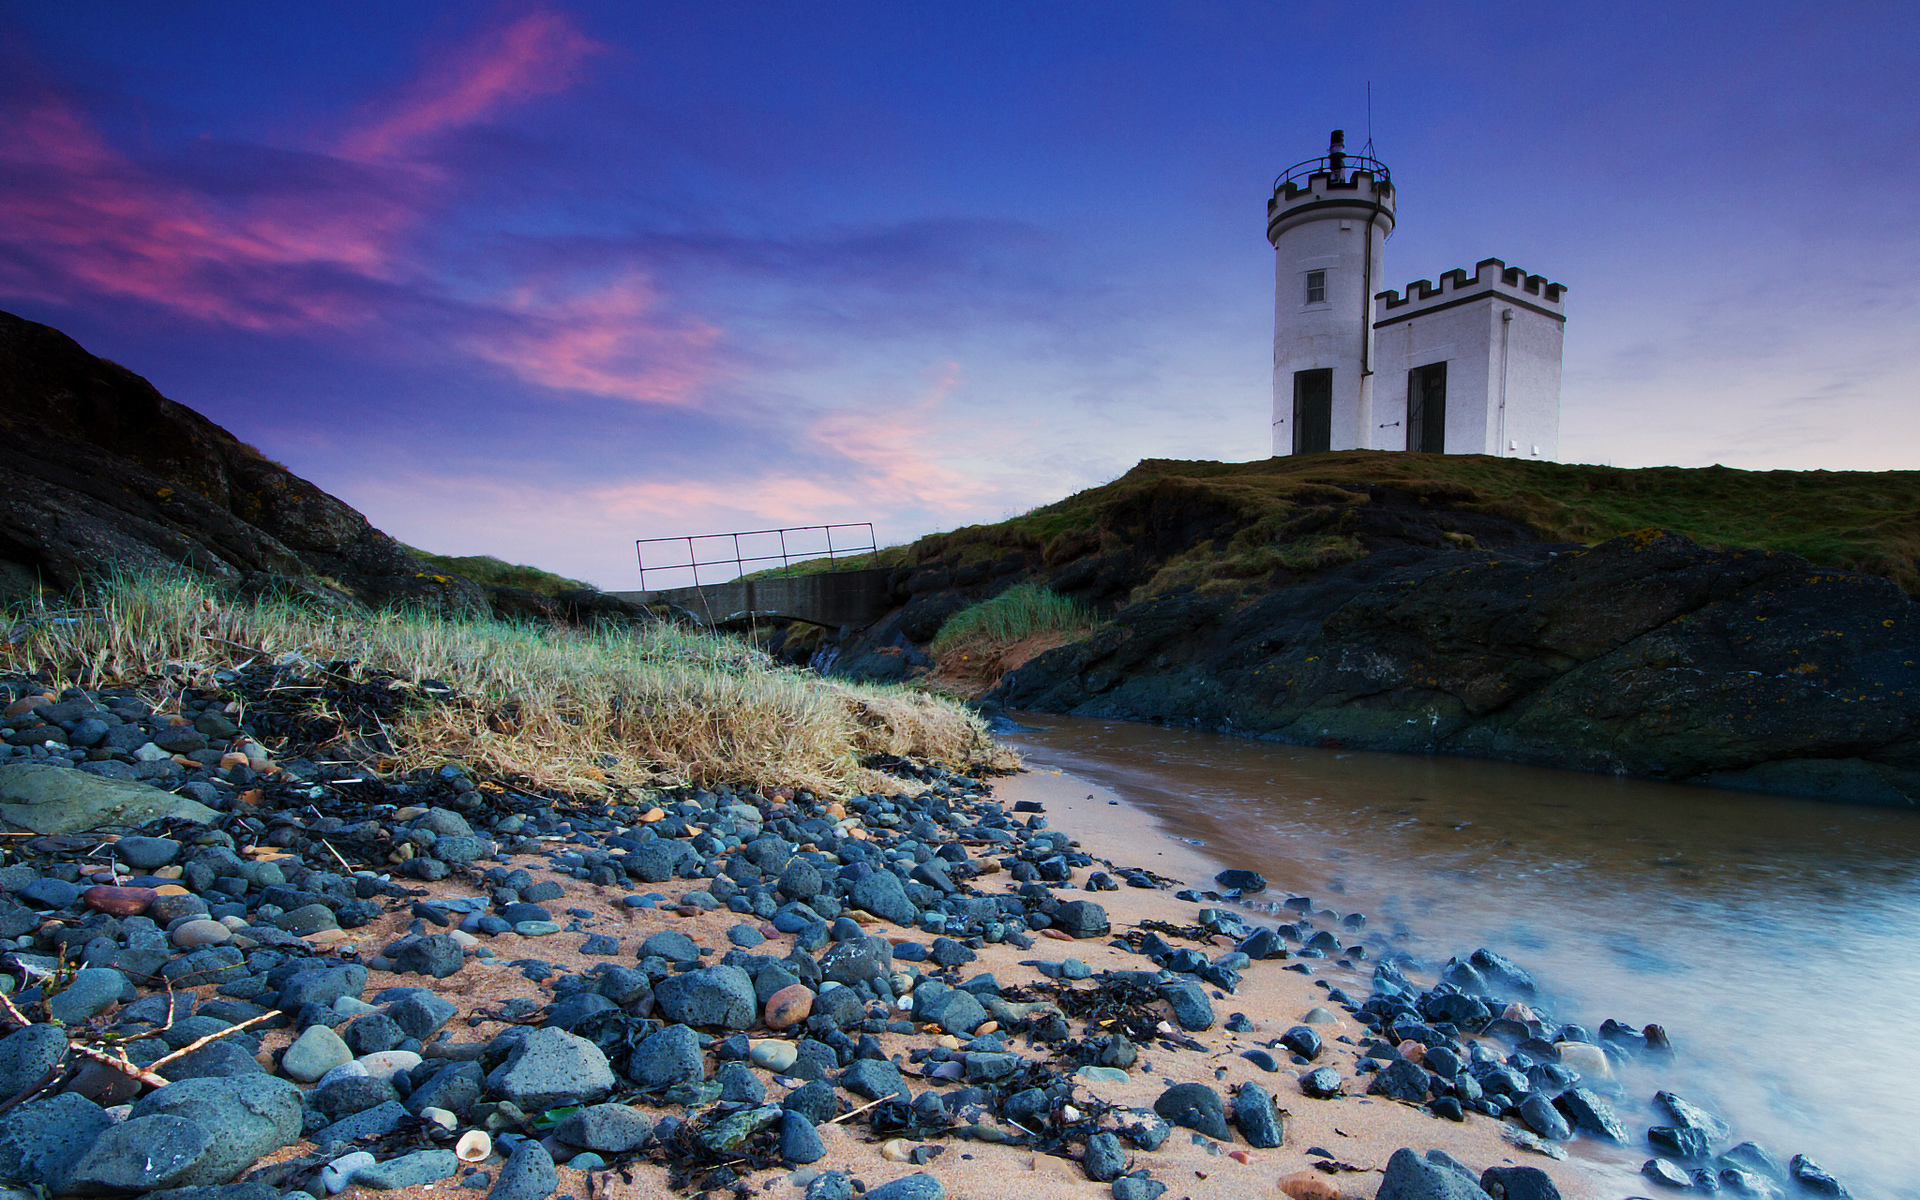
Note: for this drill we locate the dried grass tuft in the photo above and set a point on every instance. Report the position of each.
(585, 711)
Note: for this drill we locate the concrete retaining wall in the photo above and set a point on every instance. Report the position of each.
(832, 598)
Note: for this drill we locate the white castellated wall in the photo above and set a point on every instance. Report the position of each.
(1328, 221)
(1499, 333)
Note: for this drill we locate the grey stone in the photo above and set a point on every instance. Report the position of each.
(146, 853)
(1197, 1107)
(553, 1067)
(375, 1122)
(910, 1187)
(958, 1013)
(711, 996)
(1692, 1116)
(221, 1059)
(411, 1170)
(322, 986)
(1138, 1186)
(48, 892)
(1081, 919)
(26, 1055)
(40, 1142)
(313, 1054)
(1258, 1119)
(739, 1085)
(141, 1155)
(246, 1117)
(1544, 1119)
(45, 799)
(225, 1191)
(1401, 1080)
(344, 1095)
(800, 881)
(609, 1128)
(1518, 1183)
(1190, 1004)
(529, 1174)
(856, 961)
(1591, 1115)
(372, 1033)
(461, 851)
(671, 945)
(882, 894)
(1104, 1160)
(1411, 1177)
(436, 954)
(873, 1078)
(421, 1015)
(799, 1140)
(666, 1058)
(455, 1088)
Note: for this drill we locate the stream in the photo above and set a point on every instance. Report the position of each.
(1777, 940)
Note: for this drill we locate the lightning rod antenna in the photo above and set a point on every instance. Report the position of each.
(1370, 153)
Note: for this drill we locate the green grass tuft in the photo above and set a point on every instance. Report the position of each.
(1018, 613)
(487, 570)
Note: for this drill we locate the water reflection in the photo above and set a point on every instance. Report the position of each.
(1779, 940)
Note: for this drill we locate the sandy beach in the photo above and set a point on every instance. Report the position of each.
(1357, 1132)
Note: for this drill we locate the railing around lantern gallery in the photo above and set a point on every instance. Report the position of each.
(1335, 165)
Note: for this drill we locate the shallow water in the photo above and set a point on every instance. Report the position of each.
(1777, 940)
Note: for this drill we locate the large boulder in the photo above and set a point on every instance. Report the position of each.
(553, 1067)
(719, 996)
(45, 799)
(247, 1117)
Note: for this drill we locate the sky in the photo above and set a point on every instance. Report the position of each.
(536, 280)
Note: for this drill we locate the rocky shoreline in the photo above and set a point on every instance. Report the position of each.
(293, 975)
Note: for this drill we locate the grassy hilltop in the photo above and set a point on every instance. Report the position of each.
(1296, 514)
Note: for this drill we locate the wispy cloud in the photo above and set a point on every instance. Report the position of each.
(539, 54)
(611, 341)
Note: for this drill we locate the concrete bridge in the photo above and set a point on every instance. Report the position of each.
(831, 598)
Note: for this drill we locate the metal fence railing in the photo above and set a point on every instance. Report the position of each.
(786, 546)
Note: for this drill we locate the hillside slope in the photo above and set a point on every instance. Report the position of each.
(99, 473)
(1472, 606)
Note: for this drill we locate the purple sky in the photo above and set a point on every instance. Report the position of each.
(536, 280)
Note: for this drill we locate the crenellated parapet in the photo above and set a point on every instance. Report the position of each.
(1491, 278)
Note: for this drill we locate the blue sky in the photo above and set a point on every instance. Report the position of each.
(538, 279)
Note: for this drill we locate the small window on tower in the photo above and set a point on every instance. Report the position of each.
(1316, 287)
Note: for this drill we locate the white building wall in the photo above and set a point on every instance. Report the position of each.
(1326, 227)
(1461, 323)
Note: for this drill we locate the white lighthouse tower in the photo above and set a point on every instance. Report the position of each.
(1469, 367)
(1328, 221)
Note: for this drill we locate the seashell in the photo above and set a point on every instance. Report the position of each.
(474, 1146)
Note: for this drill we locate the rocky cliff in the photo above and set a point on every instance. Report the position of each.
(100, 472)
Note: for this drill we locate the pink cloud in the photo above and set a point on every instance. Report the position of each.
(79, 217)
(537, 55)
(907, 450)
(610, 341)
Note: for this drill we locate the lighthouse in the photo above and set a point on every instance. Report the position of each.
(1328, 221)
(1469, 367)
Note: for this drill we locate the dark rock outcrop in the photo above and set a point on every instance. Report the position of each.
(1646, 655)
(99, 471)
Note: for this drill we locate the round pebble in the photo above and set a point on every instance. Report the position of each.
(201, 932)
(789, 1006)
(773, 1054)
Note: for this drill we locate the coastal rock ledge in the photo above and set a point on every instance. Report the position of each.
(1645, 655)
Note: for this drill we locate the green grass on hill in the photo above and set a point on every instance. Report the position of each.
(1019, 612)
(486, 569)
(1285, 511)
